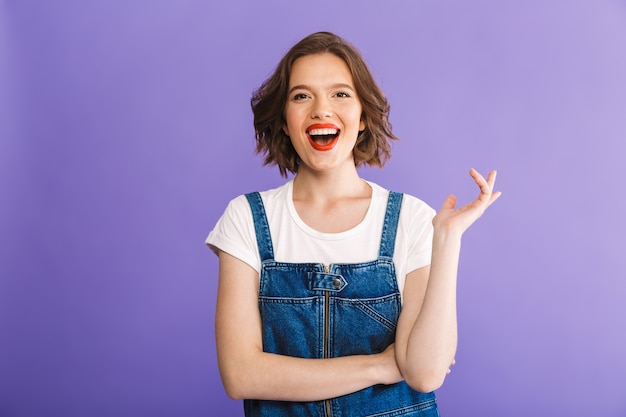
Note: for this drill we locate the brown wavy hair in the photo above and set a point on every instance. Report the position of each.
(268, 106)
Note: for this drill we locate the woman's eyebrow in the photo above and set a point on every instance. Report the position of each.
(297, 87)
(304, 87)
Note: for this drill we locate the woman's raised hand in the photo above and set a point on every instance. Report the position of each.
(459, 220)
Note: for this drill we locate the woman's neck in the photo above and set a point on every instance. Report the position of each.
(331, 202)
(329, 186)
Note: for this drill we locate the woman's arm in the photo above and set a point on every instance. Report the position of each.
(248, 372)
(426, 337)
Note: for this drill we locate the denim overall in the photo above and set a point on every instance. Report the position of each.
(311, 310)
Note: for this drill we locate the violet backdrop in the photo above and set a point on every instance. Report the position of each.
(125, 129)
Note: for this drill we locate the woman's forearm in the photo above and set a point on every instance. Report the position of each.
(432, 340)
(276, 377)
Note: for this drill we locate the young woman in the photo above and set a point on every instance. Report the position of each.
(336, 296)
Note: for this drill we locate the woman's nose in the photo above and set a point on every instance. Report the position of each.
(321, 109)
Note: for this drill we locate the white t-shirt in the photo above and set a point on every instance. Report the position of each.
(295, 242)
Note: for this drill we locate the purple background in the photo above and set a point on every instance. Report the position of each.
(125, 129)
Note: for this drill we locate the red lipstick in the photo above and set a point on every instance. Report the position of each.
(324, 130)
(322, 126)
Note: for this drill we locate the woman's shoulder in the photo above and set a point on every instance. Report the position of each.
(281, 192)
(416, 204)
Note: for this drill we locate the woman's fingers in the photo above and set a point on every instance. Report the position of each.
(449, 203)
(494, 197)
(450, 368)
(486, 196)
(462, 217)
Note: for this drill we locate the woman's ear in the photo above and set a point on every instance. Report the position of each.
(362, 124)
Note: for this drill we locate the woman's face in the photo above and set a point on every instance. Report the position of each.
(323, 112)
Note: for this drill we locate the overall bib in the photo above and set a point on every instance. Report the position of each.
(312, 310)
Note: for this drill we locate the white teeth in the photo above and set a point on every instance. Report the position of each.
(326, 131)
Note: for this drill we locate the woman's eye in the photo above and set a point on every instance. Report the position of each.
(342, 94)
(300, 96)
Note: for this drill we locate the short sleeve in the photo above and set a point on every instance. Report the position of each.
(234, 233)
(419, 233)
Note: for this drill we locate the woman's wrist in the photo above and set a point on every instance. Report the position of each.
(443, 236)
(384, 368)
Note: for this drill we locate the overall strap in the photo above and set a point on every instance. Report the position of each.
(390, 225)
(261, 226)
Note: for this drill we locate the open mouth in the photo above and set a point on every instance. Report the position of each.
(323, 138)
